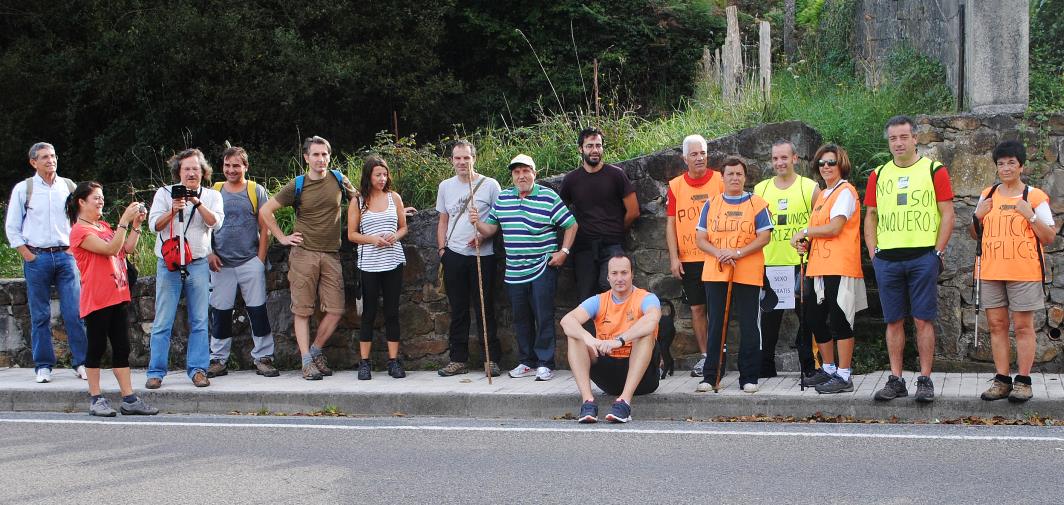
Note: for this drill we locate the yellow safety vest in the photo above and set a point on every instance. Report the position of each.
(906, 205)
(790, 209)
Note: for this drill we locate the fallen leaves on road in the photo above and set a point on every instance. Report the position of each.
(819, 417)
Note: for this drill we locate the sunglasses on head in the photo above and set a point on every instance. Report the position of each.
(829, 163)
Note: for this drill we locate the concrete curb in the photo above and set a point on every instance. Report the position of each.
(426, 394)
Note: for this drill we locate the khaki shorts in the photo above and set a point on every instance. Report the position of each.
(313, 275)
(1018, 296)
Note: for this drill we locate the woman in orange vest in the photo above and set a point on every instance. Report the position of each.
(1012, 221)
(732, 229)
(834, 283)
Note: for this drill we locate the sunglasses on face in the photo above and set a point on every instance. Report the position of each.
(830, 163)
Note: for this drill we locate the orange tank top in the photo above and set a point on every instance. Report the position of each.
(731, 226)
(1010, 250)
(689, 202)
(841, 254)
(615, 318)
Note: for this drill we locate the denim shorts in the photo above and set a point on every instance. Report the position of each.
(908, 287)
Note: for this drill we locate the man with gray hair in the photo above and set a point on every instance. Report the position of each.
(38, 228)
(687, 194)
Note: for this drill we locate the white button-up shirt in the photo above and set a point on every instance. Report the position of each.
(44, 222)
(199, 234)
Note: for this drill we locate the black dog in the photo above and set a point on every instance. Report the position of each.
(666, 334)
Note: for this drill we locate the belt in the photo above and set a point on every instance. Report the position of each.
(39, 250)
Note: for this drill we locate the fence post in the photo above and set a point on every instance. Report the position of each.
(732, 58)
(764, 53)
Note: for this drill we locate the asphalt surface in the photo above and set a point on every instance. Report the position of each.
(72, 458)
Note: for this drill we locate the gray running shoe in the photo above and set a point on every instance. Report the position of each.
(138, 408)
(494, 369)
(311, 372)
(101, 408)
(925, 389)
(818, 378)
(696, 371)
(835, 385)
(895, 388)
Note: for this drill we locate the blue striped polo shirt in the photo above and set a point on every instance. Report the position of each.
(529, 230)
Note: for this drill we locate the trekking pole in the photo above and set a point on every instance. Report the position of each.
(724, 331)
(480, 290)
(976, 274)
(801, 320)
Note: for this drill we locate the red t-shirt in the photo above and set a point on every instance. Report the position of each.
(670, 199)
(103, 278)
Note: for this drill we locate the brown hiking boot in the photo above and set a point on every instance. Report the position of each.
(217, 369)
(265, 368)
(311, 373)
(453, 368)
(199, 379)
(997, 391)
(1020, 392)
(153, 383)
(322, 365)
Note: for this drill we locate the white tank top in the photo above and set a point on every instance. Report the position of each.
(380, 259)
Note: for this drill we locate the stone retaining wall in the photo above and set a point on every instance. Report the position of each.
(961, 142)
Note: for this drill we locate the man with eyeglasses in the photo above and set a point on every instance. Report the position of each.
(907, 227)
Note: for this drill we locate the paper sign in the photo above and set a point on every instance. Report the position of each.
(781, 279)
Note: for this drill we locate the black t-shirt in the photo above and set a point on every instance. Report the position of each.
(597, 201)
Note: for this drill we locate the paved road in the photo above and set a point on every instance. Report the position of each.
(59, 458)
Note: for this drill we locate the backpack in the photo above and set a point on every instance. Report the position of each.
(345, 243)
(339, 182)
(253, 195)
(29, 189)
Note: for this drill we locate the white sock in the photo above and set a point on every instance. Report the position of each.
(844, 373)
(829, 368)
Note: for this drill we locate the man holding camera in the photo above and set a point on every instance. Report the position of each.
(183, 215)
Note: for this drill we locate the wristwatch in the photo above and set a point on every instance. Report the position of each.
(620, 339)
(1034, 218)
(940, 254)
(565, 250)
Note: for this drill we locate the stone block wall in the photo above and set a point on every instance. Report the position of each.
(962, 142)
(424, 309)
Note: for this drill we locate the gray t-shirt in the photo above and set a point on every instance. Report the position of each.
(237, 241)
(452, 198)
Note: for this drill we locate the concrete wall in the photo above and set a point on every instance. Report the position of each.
(995, 40)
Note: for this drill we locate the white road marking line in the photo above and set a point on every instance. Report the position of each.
(506, 429)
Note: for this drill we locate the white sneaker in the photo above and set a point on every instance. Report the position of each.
(522, 371)
(44, 375)
(696, 371)
(704, 387)
(544, 374)
(81, 373)
(749, 387)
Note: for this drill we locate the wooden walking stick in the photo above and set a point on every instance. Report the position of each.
(724, 331)
(480, 287)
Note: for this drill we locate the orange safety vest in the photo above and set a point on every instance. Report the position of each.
(689, 203)
(615, 318)
(841, 254)
(732, 227)
(1010, 247)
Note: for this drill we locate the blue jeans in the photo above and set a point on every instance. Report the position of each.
(533, 307)
(54, 268)
(168, 289)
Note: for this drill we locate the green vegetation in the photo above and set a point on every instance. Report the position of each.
(1046, 56)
